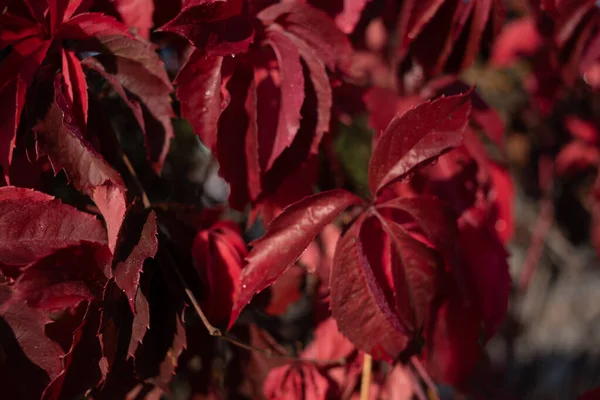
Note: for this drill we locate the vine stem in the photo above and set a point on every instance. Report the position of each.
(542, 226)
(432, 392)
(212, 330)
(365, 383)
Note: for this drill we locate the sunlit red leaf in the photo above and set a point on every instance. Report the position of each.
(286, 238)
(420, 134)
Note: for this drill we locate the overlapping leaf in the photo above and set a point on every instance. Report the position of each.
(267, 69)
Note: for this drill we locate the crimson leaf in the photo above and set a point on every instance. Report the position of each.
(286, 238)
(420, 134)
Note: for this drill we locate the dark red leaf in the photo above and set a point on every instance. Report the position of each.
(320, 80)
(133, 104)
(27, 325)
(75, 86)
(358, 302)
(313, 27)
(57, 281)
(55, 284)
(292, 91)
(143, 75)
(452, 349)
(67, 149)
(590, 395)
(487, 273)
(81, 370)
(413, 17)
(93, 25)
(199, 90)
(420, 134)
(416, 270)
(133, 248)
(34, 225)
(17, 70)
(216, 26)
(219, 253)
(286, 238)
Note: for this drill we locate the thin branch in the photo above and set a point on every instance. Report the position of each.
(365, 383)
(543, 224)
(138, 183)
(432, 392)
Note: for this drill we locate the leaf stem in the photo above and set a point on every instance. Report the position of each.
(432, 392)
(138, 183)
(365, 383)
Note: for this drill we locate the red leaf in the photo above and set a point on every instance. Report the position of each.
(358, 302)
(34, 225)
(60, 11)
(417, 136)
(576, 157)
(215, 26)
(413, 17)
(291, 382)
(133, 104)
(313, 27)
(129, 257)
(58, 281)
(501, 195)
(415, 269)
(488, 275)
(28, 327)
(53, 284)
(90, 173)
(138, 76)
(14, 29)
(292, 91)
(141, 322)
(320, 80)
(346, 14)
(137, 14)
(92, 25)
(17, 70)
(199, 90)
(433, 216)
(218, 253)
(75, 86)
(518, 39)
(452, 348)
(582, 130)
(286, 238)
